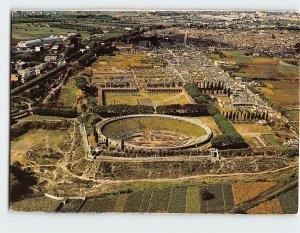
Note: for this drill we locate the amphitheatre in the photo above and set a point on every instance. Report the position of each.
(154, 132)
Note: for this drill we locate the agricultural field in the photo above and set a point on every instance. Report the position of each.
(289, 201)
(72, 206)
(285, 203)
(177, 199)
(281, 93)
(144, 98)
(245, 191)
(185, 199)
(262, 67)
(41, 204)
(127, 61)
(269, 207)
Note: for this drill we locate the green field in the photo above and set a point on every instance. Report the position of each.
(115, 128)
(29, 31)
(289, 201)
(143, 98)
(42, 204)
(272, 141)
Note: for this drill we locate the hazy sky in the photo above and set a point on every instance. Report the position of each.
(159, 4)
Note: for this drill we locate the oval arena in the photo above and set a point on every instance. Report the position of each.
(154, 132)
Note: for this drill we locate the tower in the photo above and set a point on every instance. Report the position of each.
(185, 38)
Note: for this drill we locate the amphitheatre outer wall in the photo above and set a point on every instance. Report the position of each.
(196, 143)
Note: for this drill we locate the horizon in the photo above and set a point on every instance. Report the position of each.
(176, 5)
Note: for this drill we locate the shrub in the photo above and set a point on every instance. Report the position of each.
(206, 195)
(290, 153)
(227, 141)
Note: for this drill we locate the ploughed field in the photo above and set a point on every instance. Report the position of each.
(117, 129)
(181, 199)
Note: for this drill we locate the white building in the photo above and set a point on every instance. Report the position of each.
(38, 42)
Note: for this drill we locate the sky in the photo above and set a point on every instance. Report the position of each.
(158, 4)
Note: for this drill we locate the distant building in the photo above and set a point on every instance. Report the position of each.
(239, 80)
(292, 143)
(38, 42)
(262, 122)
(145, 43)
(51, 58)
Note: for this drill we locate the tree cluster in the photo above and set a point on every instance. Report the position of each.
(96, 49)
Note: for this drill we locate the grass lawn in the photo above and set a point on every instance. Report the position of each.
(245, 129)
(272, 140)
(142, 98)
(211, 123)
(29, 31)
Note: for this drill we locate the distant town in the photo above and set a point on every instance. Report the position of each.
(155, 111)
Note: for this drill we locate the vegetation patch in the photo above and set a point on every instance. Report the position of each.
(192, 200)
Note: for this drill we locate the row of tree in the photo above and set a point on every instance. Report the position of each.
(246, 115)
(61, 112)
(186, 109)
(121, 110)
